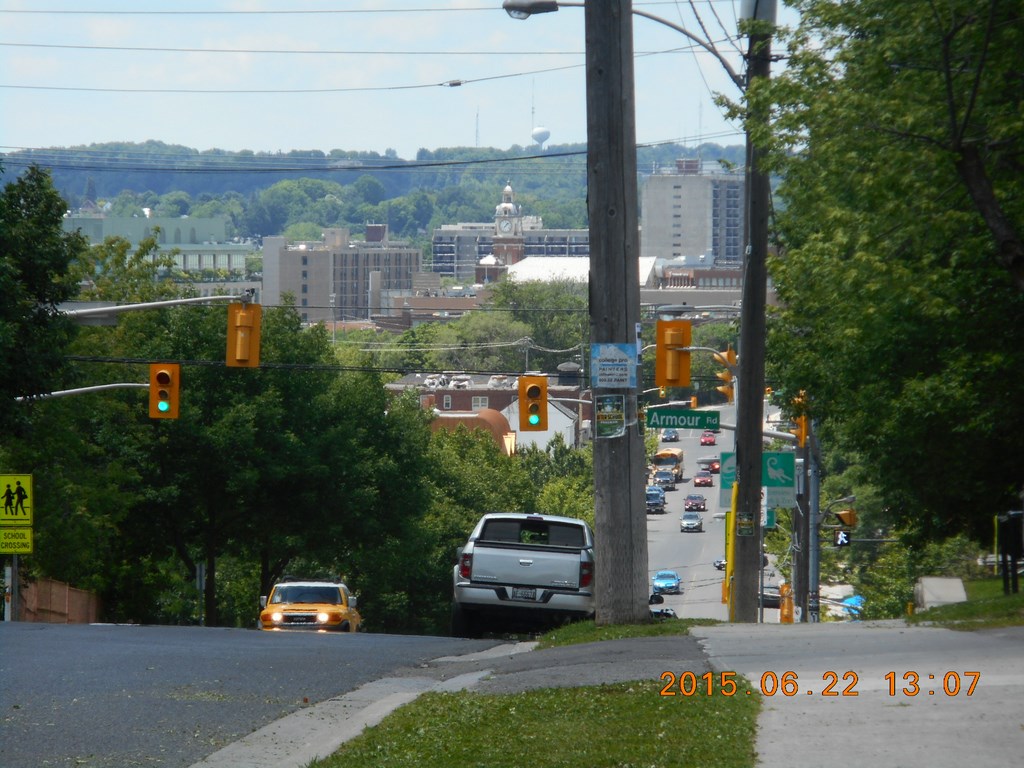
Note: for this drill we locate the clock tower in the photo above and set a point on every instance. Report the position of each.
(508, 217)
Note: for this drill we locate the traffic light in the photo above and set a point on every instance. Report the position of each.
(800, 430)
(800, 420)
(671, 363)
(847, 517)
(244, 335)
(840, 538)
(164, 389)
(533, 403)
(727, 359)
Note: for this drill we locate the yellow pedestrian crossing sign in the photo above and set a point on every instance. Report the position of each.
(16, 491)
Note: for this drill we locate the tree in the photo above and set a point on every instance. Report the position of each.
(902, 315)
(35, 255)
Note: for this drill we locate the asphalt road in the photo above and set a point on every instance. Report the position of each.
(691, 554)
(115, 696)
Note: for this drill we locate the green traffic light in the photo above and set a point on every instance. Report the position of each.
(534, 419)
(163, 406)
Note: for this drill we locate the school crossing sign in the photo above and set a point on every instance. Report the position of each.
(16, 517)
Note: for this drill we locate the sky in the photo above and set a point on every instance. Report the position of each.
(354, 75)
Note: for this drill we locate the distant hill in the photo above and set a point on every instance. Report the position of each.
(102, 171)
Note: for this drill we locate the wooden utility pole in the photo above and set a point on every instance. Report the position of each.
(620, 510)
(750, 398)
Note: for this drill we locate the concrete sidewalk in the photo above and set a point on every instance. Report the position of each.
(874, 728)
(880, 725)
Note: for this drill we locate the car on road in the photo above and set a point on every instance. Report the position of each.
(719, 564)
(708, 438)
(770, 597)
(666, 582)
(703, 479)
(655, 500)
(710, 463)
(695, 502)
(321, 606)
(665, 479)
(669, 435)
(691, 521)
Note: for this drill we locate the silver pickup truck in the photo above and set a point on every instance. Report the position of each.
(520, 570)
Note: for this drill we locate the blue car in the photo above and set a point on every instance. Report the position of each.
(667, 583)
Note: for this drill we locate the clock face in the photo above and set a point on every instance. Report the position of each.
(505, 225)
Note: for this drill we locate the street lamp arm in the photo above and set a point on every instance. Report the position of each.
(523, 9)
(736, 79)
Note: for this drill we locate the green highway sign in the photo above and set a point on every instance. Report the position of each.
(664, 418)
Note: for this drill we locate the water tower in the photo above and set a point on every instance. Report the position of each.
(540, 135)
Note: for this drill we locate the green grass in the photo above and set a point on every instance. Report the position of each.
(986, 608)
(618, 726)
(588, 632)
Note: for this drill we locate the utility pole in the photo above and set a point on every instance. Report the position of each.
(620, 511)
(749, 399)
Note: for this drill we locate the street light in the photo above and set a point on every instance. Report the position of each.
(524, 9)
(609, 51)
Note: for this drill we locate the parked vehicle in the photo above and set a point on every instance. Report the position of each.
(661, 612)
(655, 500)
(691, 522)
(317, 605)
(666, 582)
(524, 571)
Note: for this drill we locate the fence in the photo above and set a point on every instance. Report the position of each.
(54, 602)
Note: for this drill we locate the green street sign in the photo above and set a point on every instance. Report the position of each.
(778, 469)
(664, 418)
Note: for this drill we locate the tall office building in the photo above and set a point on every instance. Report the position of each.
(338, 278)
(692, 216)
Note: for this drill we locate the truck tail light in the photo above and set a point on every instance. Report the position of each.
(466, 566)
(586, 574)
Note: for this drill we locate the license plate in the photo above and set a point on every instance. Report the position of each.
(520, 593)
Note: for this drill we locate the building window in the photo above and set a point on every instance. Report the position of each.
(446, 402)
(479, 402)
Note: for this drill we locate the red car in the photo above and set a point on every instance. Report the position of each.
(708, 438)
(703, 478)
(714, 466)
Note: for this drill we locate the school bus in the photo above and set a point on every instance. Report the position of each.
(670, 459)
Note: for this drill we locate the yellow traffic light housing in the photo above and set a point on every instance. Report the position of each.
(801, 420)
(533, 403)
(800, 431)
(671, 361)
(244, 322)
(164, 390)
(847, 517)
(727, 359)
